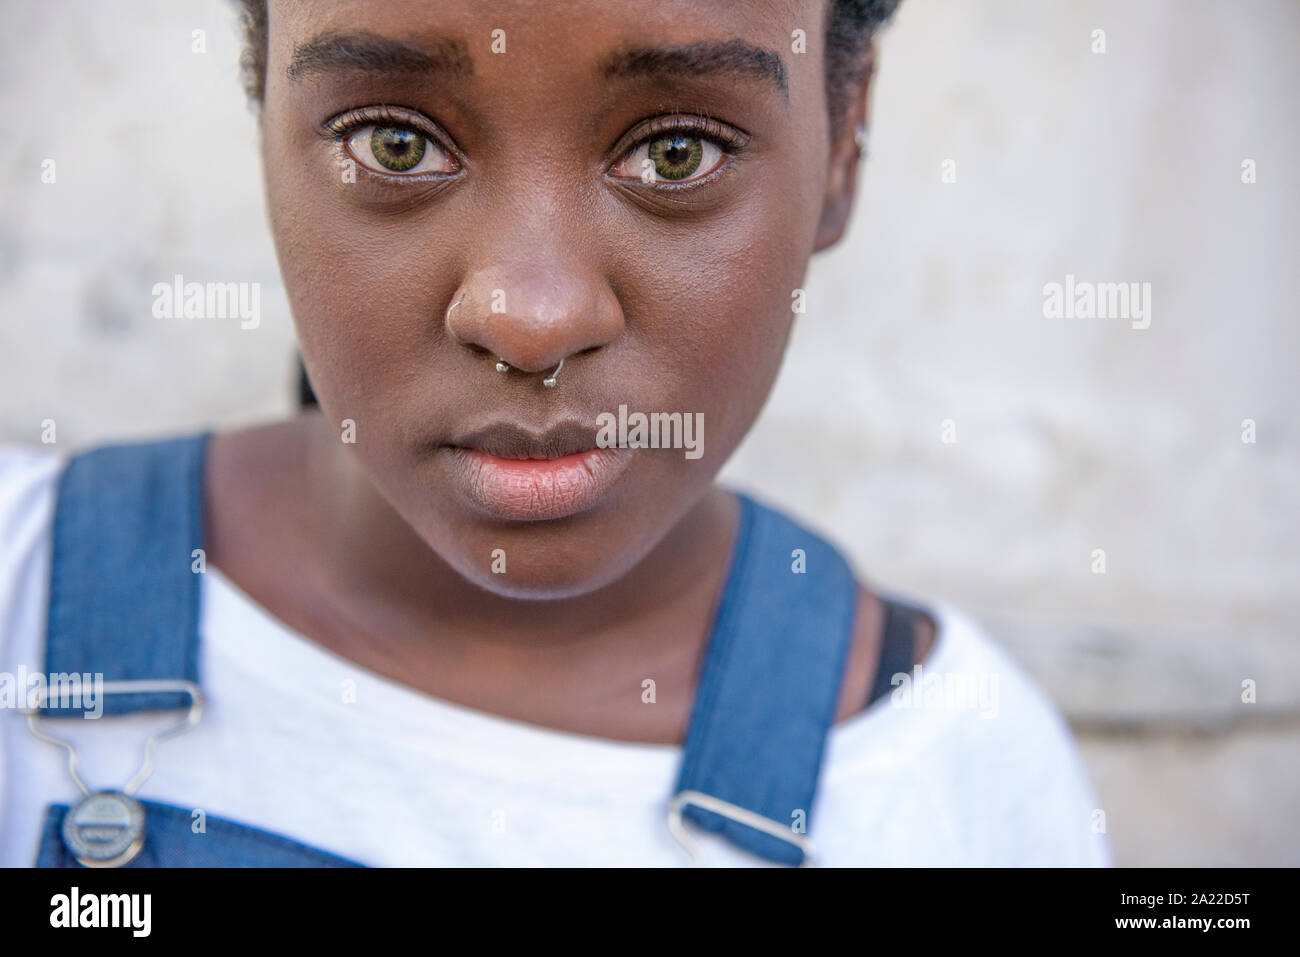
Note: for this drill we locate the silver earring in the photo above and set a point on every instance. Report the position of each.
(860, 139)
(502, 366)
(549, 381)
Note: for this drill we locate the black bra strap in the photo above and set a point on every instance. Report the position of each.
(897, 648)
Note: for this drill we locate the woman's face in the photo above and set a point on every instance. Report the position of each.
(633, 188)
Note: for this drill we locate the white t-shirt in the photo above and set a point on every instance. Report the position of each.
(397, 777)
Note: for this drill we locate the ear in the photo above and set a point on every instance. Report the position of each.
(842, 178)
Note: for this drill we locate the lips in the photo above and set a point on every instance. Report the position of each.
(507, 441)
(511, 473)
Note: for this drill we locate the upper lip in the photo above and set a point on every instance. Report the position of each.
(508, 441)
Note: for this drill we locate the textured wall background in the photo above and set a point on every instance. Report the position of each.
(1071, 434)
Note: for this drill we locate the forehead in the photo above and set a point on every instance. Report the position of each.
(512, 44)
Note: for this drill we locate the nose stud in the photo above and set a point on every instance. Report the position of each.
(501, 366)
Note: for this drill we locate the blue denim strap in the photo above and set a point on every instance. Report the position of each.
(770, 682)
(124, 601)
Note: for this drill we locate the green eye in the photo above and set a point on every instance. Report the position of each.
(679, 155)
(676, 156)
(397, 149)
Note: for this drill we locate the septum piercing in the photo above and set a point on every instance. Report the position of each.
(549, 381)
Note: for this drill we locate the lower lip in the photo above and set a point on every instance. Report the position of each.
(538, 489)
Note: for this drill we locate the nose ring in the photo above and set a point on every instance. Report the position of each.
(549, 381)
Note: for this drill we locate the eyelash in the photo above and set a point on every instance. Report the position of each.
(731, 141)
(340, 128)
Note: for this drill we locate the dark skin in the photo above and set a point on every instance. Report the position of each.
(657, 295)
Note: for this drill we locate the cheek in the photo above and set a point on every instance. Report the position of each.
(365, 310)
(364, 288)
(722, 312)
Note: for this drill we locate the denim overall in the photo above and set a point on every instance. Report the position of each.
(124, 602)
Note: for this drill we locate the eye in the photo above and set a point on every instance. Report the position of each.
(679, 156)
(388, 150)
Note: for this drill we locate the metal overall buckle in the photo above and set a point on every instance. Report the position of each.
(106, 828)
(677, 824)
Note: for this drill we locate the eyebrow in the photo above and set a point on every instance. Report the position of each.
(371, 53)
(700, 59)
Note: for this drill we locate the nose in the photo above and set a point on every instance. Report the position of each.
(533, 316)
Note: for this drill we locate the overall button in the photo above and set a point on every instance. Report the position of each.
(104, 829)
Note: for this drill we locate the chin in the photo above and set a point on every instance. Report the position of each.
(535, 572)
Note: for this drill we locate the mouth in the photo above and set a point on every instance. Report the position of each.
(511, 473)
